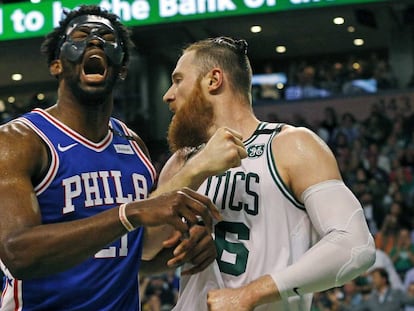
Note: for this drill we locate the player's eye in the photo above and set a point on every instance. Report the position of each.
(79, 35)
(109, 37)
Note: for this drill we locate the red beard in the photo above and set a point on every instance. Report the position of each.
(189, 126)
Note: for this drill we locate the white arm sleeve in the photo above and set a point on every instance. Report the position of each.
(346, 248)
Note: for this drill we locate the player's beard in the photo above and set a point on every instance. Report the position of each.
(191, 123)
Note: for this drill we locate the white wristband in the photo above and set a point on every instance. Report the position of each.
(124, 220)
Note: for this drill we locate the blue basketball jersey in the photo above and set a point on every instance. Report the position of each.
(84, 179)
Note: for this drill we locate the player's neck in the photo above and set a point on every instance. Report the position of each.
(241, 119)
(90, 122)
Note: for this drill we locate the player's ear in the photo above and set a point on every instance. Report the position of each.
(55, 68)
(215, 79)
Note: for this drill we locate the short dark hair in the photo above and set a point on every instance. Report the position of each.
(383, 273)
(51, 45)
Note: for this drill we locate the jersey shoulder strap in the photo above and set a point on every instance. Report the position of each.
(276, 128)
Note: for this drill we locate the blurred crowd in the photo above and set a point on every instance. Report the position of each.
(330, 77)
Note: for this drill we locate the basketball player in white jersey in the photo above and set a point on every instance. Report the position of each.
(290, 226)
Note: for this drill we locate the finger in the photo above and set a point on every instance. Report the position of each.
(234, 133)
(173, 240)
(192, 207)
(177, 260)
(196, 206)
(191, 247)
(203, 253)
(206, 202)
(198, 240)
(242, 152)
(185, 246)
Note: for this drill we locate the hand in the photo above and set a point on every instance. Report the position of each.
(180, 209)
(199, 249)
(224, 150)
(227, 299)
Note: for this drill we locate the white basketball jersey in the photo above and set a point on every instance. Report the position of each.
(264, 228)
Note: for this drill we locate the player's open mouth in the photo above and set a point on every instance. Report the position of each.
(94, 68)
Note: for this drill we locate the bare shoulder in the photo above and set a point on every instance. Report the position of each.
(21, 149)
(303, 158)
(300, 140)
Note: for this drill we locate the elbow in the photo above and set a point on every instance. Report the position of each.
(362, 258)
(16, 261)
(364, 254)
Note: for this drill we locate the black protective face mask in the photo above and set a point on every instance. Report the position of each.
(73, 48)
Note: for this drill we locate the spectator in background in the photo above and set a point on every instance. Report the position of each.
(305, 86)
(407, 155)
(159, 290)
(409, 286)
(384, 75)
(269, 90)
(328, 124)
(382, 260)
(348, 126)
(352, 295)
(360, 78)
(403, 177)
(377, 126)
(377, 162)
(340, 145)
(402, 254)
(330, 77)
(383, 297)
(172, 278)
(386, 238)
(358, 148)
(410, 292)
(378, 180)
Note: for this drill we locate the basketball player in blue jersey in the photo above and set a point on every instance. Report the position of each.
(290, 226)
(75, 186)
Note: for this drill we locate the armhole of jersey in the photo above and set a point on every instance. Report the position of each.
(274, 172)
(135, 146)
(53, 157)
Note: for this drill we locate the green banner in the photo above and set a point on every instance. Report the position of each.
(25, 19)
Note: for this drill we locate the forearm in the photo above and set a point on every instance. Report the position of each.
(260, 291)
(190, 175)
(345, 251)
(45, 249)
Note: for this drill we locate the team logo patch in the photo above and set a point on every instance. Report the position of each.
(125, 149)
(255, 151)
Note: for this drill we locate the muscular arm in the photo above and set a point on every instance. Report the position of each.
(309, 169)
(29, 248)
